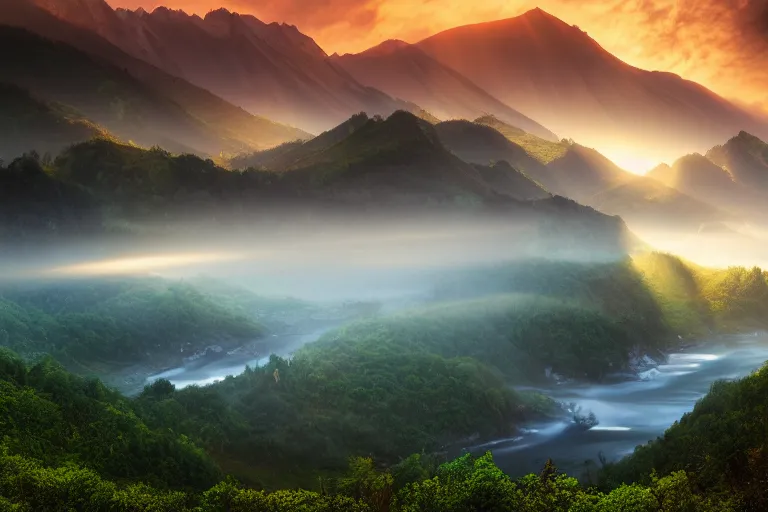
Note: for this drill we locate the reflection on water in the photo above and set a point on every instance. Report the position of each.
(630, 413)
(218, 370)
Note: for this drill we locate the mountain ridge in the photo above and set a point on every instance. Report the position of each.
(405, 71)
(271, 70)
(568, 82)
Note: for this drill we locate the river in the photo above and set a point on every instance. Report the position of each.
(630, 413)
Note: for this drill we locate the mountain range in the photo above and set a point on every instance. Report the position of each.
(272, 70)
(77, 69)
(405, 71)
(559, 76)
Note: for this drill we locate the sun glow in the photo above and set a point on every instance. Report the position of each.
(138, 264)
(630, 160)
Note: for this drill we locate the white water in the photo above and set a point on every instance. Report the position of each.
(630, 413)
(216, 371)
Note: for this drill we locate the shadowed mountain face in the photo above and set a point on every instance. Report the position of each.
(165, 110)
(699, 177)
(732, 176)
(405, 71)
(575, 171)
(745, 157)
(559, 76)
(268, 69)
(31, 124)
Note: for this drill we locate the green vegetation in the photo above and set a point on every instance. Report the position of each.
(70, 443)
(721, 444)
(381, 388)
(97, 326)
(541, 149)
(517, 334)
(57, 418)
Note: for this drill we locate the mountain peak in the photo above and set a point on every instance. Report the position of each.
(388, 46)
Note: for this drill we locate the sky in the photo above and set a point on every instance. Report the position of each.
(722, 44)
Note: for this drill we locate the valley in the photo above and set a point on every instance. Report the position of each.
(489, 268)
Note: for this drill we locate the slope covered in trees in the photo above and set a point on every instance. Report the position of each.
(96, 326)
(72, 443)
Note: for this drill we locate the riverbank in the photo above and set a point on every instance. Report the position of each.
(630, 413)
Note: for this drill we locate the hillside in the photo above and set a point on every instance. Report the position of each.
(542, 150)
(271, 70)
(566, 81)
(27, 123)
(195, 118)
(507, 180)
(405, 71)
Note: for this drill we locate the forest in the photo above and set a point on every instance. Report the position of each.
(362, 417)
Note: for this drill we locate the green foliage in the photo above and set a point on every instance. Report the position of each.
(327, 408)
(541, 149)
(106, 323)
(721, 444)
(59, 418)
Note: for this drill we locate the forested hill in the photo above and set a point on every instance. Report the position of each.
(102, 186)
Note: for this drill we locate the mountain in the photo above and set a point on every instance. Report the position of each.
(28, 123)
(395, 160)
(569, 169)
(404, 155)
(268, 69)
(558, 75)
(511, 182)
(699, 177)
(578, 172)
(648, 205)
(289, 155)
(745, 157)
(405, 71)
(104, 81)
(541, 149)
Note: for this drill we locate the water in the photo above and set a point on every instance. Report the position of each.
(282, 345)
(630, 413)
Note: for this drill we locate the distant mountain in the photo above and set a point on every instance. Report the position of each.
(27, 123)
(745, 157)
(556, 74)
(268, 69)
(507, 180)
(649, 205)
(542, 150)
(578, 172)
(383, 169)
(405, 71)
(395, 160)
(103, 81)
(402, 154)
(699, 177)
(581, 173)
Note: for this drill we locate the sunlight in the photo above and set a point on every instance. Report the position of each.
(141, 264)
(629, 159)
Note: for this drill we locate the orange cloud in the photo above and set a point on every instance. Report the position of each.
(722, 44)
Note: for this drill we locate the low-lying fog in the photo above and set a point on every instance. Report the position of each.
(399, 264)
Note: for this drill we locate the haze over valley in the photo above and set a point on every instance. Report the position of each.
(495, 267)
